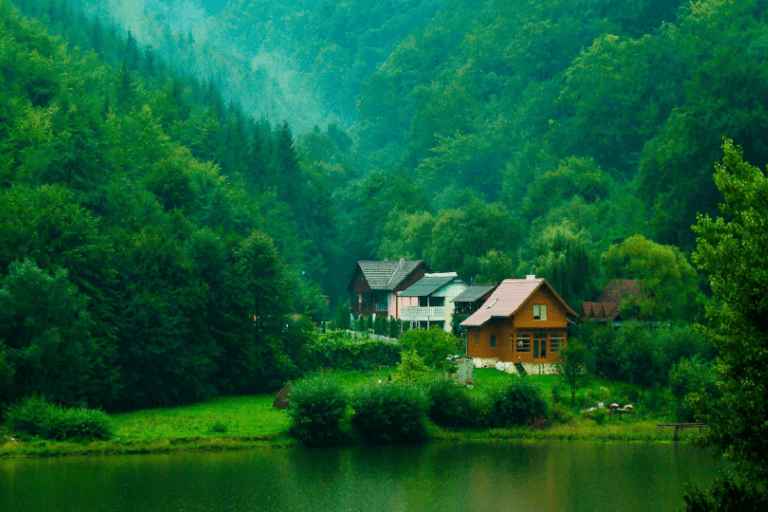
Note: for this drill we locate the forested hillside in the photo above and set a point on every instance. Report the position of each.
(152, 199)
(135, 270)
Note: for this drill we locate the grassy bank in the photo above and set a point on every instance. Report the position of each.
(250, 421)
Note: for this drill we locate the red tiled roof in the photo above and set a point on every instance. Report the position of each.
(507, 299)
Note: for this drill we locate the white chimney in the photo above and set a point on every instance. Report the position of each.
(530, 276)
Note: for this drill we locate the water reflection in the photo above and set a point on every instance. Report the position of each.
(477, 477)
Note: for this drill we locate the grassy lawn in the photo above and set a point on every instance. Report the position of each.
(244, 416)
(249, 421)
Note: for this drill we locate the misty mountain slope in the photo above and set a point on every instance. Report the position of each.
(178, 31)
(333, 45)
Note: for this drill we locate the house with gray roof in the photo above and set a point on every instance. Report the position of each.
(374, 285)
(430, 301)
(467, 302)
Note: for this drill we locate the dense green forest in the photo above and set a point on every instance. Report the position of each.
(150, 202)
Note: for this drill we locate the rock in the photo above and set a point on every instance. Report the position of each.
(282, 399)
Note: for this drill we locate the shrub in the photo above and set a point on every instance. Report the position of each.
(219, 427)
(433, 346)
(339, 350)
(390, 413)
(412, 369)
(450, 405)
(598, 415)
(34, 416)
(517, 402)
(317, 410)
(561, 414)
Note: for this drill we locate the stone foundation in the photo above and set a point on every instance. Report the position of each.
(507, 367)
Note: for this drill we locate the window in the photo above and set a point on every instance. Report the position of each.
(523, 342)
(539, 311)
(555, 342)
(493, 341)
(539, 345)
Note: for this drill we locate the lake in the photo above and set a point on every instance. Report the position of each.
(551, 476)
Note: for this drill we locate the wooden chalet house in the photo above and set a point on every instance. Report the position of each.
(523, 324)
(374, 285)
(429, 302)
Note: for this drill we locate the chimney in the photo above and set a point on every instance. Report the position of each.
(530, 276)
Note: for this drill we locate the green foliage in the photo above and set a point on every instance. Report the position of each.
(573, 364)
(517, 402)
(565, 259)
(339, 350)
(35, 417)
(50, 343)
(451, 405)
(731, 249)
(318, 408)
(669, 282)
(132, 271)
(390, 413)
(561, 414)
(727, 494)
(434, 346)
(412, 368)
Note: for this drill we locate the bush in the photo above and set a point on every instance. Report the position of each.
(390, 413)
(36, 417)
(598, 415)
(412, 369)
(341, 351)
(561, 414)
(517, 402)
(433, 345)
(451, 406)
(317, 410)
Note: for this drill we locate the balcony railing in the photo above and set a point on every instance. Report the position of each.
(368, 309)
(423, 314)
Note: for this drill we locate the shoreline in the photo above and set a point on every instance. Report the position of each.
(638, 432)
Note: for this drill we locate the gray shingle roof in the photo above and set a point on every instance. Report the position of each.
(473, 293)
(427, 285)
(387, 275)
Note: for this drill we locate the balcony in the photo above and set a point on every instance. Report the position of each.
(368, 309)
(423, 314)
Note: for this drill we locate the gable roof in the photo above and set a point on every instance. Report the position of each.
(601, 311)
(474, 292)
(386, 274)
(429, 284)
(507, 300)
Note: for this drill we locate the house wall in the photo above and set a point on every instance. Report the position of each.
(450, 291)
(360, 285)
(556, 314)
(479, 339)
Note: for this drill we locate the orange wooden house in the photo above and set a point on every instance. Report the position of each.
(523, 321)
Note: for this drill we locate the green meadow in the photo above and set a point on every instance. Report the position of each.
(244, 422)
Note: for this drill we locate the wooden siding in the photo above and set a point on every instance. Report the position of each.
(506, 329)
(556, 315)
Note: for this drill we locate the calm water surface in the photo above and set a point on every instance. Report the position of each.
(557, 476)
